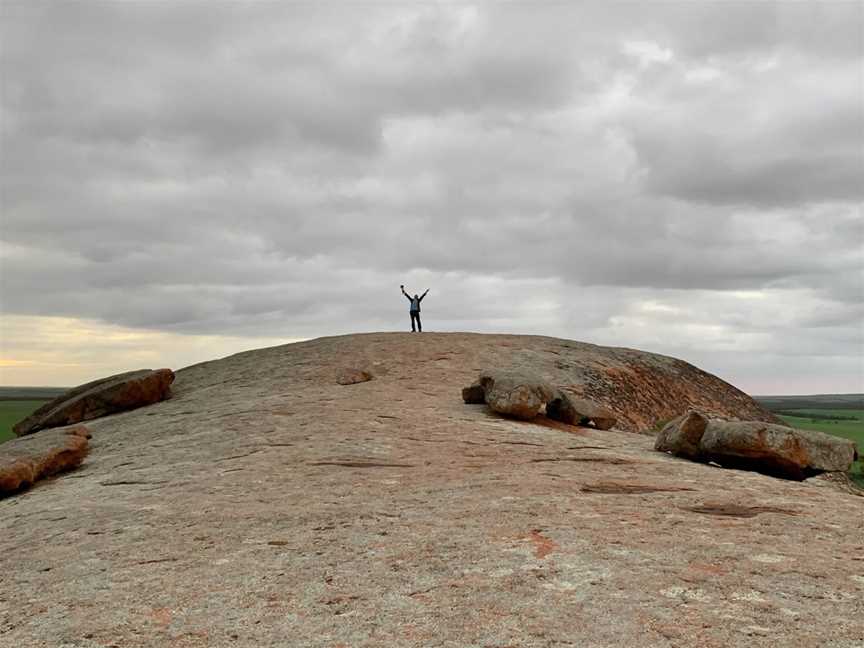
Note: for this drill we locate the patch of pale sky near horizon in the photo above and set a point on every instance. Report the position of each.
(90, 350)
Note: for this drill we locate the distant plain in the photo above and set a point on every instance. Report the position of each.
(17, 403)
(850, 426)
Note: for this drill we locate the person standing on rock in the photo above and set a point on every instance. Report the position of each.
(415, 308)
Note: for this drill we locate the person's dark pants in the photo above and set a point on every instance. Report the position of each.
(415, 315)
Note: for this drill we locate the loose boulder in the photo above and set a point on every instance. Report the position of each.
(775, 449)
(474, 394)
(25, 461)
(682, 435)
(754, 445)
(514, 393)
(352, 376)
(117, 393)
(579, 411)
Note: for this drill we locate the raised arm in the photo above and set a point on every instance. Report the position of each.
(423, 295)
(407, 296)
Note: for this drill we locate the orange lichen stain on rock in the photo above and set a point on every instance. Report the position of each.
(161, 616)
(543, 546)
(796, 450)
(707, 568)
(697, 572)
(641, 395)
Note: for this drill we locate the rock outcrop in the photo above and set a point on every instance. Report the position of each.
(25, 461)
(117, 393)
(681, 436)
(753, 445)
(579, 411)
(522, 395)
(775, 449)
(519, 394)
(263, 501)
(352, 376)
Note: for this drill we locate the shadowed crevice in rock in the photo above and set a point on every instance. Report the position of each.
(133, 482)
(736, 510)
(614, 461)
(765, 463)
(620, 488)
(474, 394)
(360, 464)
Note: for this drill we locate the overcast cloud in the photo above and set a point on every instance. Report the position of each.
(684, 178)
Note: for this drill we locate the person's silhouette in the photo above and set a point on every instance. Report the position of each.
(415, 308)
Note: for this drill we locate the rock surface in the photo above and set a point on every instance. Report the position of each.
(263, 505)
(117, 393)
(25, 461)
(579, 411)
(352, 376)
(519, 394)
(775, 448)
(681, 436)
(753, 445)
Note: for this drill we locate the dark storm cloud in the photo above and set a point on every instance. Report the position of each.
(276, 169)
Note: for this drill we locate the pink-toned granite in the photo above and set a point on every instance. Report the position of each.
(264, 505)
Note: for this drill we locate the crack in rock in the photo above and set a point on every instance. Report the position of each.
(361, 464)
(617, 488)
(728, 509)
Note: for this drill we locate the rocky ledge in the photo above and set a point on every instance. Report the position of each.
(101, 397)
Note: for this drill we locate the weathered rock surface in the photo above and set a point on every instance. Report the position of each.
(519, 394)
(579, 411)
(264, 505)
(775, 448)
(117, 393)
(753, 445)
(681, 436)
(838, 481)
(352, 376)
(25, 461)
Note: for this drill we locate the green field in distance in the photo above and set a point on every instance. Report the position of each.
(12, 411)
(841, 427)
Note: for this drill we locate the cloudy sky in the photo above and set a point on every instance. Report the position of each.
(181, 181)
